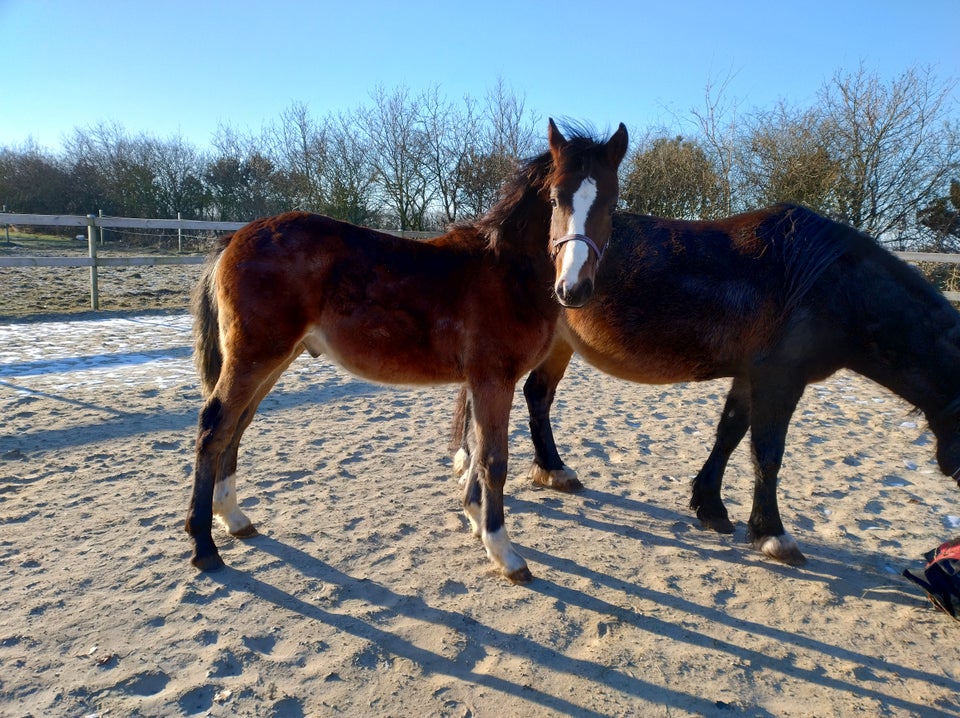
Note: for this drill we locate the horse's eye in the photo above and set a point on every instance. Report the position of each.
(553, 202)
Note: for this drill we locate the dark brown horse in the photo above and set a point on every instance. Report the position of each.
(476, 306)
(776, 299)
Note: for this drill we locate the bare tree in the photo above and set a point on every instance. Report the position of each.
(483, 174)
(506, 133)
(33, 181)
(942, 219)
(398, 143)
(348, 172)
(784, 157)
(896, 146)
(452, 137)
(511, 130)
(671, 177)
(717, 127)
(178, 172)
(244, 179)
(301, 151)
(122, 165)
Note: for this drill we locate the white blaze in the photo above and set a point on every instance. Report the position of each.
(575, 254)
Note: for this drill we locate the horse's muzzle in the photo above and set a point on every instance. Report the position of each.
(576, 295)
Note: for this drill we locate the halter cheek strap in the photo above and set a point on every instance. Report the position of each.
(577, 238)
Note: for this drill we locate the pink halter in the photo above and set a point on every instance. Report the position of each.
(576, 238)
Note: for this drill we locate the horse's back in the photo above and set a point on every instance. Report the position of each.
(689, 300)
(679, 300)
(385, 308)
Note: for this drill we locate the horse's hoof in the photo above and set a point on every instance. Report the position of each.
(780, 548)
(208, 562)
(248, 531)
(521, 575)
(564, 479)
(720, 524)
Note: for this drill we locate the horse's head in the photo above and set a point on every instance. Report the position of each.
(583, 194)
(945, 426)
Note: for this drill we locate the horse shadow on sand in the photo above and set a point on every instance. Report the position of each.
(831, 566)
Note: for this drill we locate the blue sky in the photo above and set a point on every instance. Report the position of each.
(183, 67)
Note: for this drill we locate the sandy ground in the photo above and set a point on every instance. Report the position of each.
(366, 595)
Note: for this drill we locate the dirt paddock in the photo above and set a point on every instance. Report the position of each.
(366, 595)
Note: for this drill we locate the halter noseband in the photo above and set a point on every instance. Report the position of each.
(555, 249)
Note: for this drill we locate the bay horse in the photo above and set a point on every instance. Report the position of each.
(477, 306)
(776, 299)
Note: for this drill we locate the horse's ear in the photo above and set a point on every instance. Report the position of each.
(555, 138)
(617, 145)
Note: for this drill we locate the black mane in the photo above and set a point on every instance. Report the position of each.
(531, 176)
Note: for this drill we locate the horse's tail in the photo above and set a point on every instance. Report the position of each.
(458, 435)
(459, 429)
(207, 355)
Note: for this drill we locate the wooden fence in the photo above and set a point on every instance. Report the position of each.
(94, 222)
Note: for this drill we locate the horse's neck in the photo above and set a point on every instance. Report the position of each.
(919, 360)
(526, 232)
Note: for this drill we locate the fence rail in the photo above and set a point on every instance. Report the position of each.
(93, 223)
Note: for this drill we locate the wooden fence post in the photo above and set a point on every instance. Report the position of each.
(92, 243)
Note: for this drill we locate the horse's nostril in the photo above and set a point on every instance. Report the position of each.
(575, 296)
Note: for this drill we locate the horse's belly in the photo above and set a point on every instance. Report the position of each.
(379, 356)
(647, 367)
(642, 358)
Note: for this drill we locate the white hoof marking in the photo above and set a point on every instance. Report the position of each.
(225, 507)
(473, 514)
(502, 553)
(778, 546)
(461, 462)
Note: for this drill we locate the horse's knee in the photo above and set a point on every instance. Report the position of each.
(536, 388)
(767, 468)
(210, 431)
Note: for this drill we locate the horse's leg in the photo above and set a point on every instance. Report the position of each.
(473, 496)
(218, 422)
(491, 403)
(220, 418)
(225, 507)
(539, 390)
(461, 434)
(734, 422)
(773, 400)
